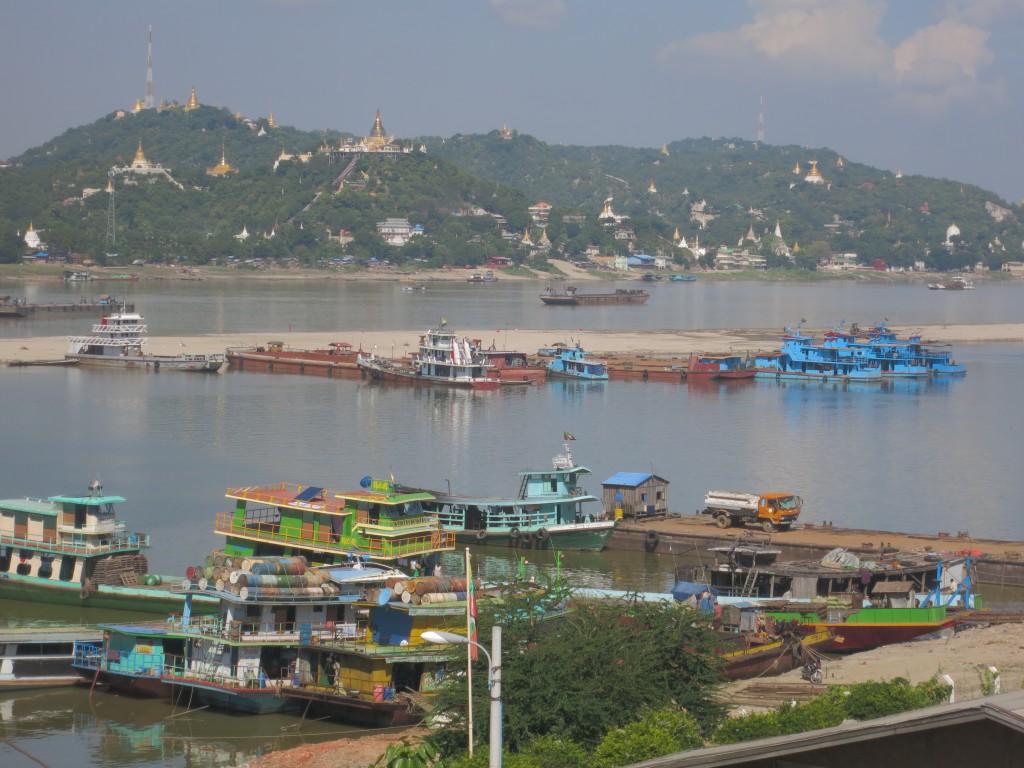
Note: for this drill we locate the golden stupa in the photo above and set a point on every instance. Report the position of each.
(222, 168)
(193, 101)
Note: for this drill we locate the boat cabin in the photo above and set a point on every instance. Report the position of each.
(636, 494)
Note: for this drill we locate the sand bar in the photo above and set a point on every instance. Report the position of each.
(667, 343)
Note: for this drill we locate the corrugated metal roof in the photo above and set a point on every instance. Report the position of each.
(628, 478)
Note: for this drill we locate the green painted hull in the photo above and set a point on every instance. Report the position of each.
(139, 599)
(580, 540)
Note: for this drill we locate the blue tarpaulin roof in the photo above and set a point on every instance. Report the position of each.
(683, 590)
(628, 478)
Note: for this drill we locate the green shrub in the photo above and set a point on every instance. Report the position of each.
(659, 732)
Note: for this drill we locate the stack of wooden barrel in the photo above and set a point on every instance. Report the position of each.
(277, 577)
(430, 590)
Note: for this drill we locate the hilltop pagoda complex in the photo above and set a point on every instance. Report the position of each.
(378, 142)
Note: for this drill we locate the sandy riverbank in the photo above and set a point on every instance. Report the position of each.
(655, 344)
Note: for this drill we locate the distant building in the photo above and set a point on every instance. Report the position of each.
(398, 231)
(377, 142)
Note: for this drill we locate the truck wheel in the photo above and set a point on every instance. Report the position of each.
(723, 521)
(768, 526)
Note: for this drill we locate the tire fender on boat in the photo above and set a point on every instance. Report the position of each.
(542, 534)
(514, 533)
(651, 541)
(526, 537)
(481, 535)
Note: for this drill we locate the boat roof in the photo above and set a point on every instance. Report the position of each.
(491, 501)
(49, 505)
(573, 470)
(319, 499)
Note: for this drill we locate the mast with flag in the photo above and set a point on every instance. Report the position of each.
(471, 651)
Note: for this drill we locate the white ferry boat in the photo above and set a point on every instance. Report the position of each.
(118, 339)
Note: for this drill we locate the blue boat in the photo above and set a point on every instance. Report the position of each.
(801, 359)
(574, 363)
(551, 511)
(683, 279)
(938, 361)
(896, 359)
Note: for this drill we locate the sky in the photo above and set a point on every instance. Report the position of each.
(932, 87)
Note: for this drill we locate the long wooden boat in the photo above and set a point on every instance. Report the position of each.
(864, 628)
(720, 367)
(338, 360)
(772, 656)
(569, 297)
(72, 550)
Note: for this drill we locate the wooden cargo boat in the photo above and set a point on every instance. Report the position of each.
(38, 657)
(569, 297)
(339, 359)
(720, 367)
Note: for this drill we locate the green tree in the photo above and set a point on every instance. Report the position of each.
(657, 733)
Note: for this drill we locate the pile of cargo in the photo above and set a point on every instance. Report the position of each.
(430, 590)
(261, 577)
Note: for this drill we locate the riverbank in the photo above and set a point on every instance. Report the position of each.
(654, 344)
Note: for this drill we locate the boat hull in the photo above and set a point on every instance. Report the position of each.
(586, 537)
(250, 701)
(353, 709)
(304, 362)
(774, 658)
(380, 372)
(196, 363)
(596, 299)
(847, 637)
(141, 599)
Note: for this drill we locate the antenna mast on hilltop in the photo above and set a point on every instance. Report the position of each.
(111, 213)
(760, 122)
(150, 102)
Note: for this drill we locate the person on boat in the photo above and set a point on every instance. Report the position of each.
(416, 568)
(437, 570)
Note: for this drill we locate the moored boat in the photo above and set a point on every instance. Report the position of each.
(511, 367)
(339, 359)
(551, 510)
(801, 359)
(574, 363)
(382, 521)
(117, 340)
(40, 657)
(725, 367)
(569, 297)
(443, 359)
(72, 550)
(955, 283)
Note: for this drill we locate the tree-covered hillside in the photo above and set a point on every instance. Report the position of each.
(471, 195)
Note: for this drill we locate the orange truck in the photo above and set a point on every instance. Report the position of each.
(770, 511)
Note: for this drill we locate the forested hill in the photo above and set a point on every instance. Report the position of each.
(470, 194)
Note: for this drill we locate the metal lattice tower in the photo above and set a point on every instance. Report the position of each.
(111, 213)
(149, 101)
(760, 122)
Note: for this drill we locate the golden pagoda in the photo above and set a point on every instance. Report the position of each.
(271, 122)
(814, 176)
(840, 162)
(526, 239)
(378, 137)
(664, 149)
(544, 242)
(222, 168)
(193, 101)
(138, 106)
(796, 169)
(796, 247)
(675, 237)
(652, 189)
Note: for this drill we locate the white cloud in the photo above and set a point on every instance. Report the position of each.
(530, 13)
(937, 65)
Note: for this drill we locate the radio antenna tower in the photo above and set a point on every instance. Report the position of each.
(760, 122)
(149, 101)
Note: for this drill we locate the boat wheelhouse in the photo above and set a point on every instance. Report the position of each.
(327, 527)
(722, 367)
(902, 358)
(550, 511)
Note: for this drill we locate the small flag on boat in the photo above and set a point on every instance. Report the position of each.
(568, 436)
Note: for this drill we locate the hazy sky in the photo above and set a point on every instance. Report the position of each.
(929, 87)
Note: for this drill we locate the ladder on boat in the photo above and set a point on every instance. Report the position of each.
(750, 584)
